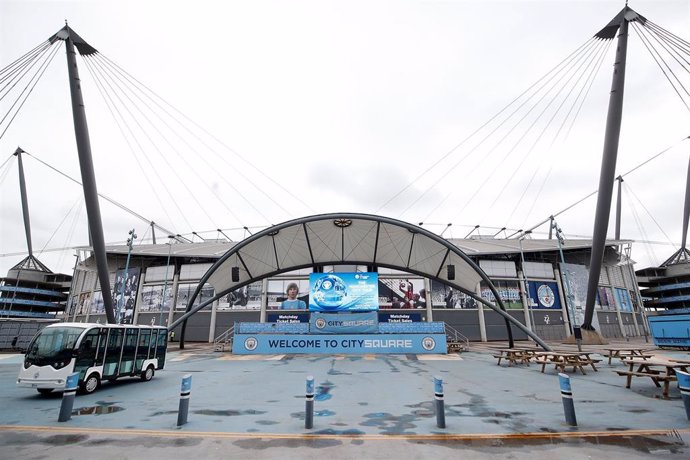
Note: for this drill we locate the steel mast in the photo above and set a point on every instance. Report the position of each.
(88, 177)
(608, 163)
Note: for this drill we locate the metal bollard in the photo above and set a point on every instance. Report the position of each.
(68, 397)
(309, 409)
(684, 387)
(440, 409)
(567, 397)
(185, 393)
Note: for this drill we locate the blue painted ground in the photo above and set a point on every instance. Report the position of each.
(371, 395)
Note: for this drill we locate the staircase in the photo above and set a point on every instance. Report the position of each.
(455, 340)
(224, 340)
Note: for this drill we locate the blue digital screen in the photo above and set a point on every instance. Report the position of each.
(331, 292)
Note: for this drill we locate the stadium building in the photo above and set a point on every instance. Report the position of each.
(541, 282)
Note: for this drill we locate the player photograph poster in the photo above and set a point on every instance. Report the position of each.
(125, 294)
(343, 292)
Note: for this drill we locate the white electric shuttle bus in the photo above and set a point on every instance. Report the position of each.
(96, 351)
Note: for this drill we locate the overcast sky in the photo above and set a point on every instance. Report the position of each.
(342, 106)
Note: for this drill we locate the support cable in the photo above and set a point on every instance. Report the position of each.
(582, 97)
(650, 215)
(651, 254)
(105, 197)
(119, 121)
(654, 56)
(494, 117)
(157, 98)
(193, 149)
(564, 65)
(59, 226)
(580, 72)
(669, 46)
(153, 144)
(35, 79)
(562, 73)
(548, 219)
(28, 55)
(21, 70)
(678, 41)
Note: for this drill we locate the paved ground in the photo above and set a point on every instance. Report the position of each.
(366, 406)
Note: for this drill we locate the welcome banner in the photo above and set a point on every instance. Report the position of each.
(344, 323)
(247, 344)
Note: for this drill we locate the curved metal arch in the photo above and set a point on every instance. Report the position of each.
(271, 232)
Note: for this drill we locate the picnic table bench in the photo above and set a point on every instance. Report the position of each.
(455, 347)
(625, 353)
(564, 360)
(513, 356)
(658, 369)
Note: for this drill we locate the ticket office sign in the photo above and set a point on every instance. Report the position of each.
(247, 344)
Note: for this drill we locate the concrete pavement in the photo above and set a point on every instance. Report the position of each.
(257, 403)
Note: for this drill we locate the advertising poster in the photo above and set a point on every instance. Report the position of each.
(544, 294)
(84, 303)
(508, 290)
(125, 294)
(97, 304)
(575, 279)
(402, 293)
(623, 298)
(338, 292)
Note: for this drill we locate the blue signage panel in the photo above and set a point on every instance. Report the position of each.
(344, 323)
(400, 317)
(337, 292)
(247, 344)
(543, 294)
(287, 317)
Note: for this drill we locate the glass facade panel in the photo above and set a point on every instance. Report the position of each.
(277, 292)
(244, 298)
(402, 293)
(152, 298)
(443, 296)
(185, 292)
(508, 290)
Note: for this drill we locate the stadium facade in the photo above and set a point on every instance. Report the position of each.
(542, 283)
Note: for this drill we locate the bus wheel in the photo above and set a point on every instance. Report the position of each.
(147, 374)
(91, 384)
(45, 391)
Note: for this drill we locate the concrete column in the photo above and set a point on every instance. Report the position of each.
(91, 296)
(480, 315)
(429, 307)
(80, 284)
(618, 307)
(212, 323)
(564, 302)
(137, 300)
(264, 300)
(525, 300)
(171, 313)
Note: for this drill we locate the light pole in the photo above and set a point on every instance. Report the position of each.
(165, 285)
(130, 242)
(524, 279)
(569, 302)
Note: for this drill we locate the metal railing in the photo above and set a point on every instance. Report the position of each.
(455, 340)
(224, 340)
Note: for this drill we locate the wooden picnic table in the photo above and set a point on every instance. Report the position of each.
(513, 355)
(658, 369)
(625, 353)
(566, 359)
